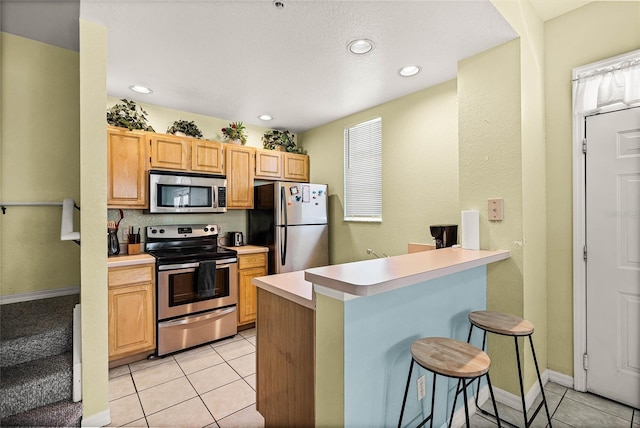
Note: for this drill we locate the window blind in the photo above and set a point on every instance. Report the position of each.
(363, 171)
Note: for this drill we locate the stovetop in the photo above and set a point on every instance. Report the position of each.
(185, 243)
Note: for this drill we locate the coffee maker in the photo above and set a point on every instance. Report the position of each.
(446, 235)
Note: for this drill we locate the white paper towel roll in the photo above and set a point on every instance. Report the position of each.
(471, 229)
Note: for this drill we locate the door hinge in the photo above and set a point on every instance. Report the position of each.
(584, 145)
(584, 253)
(585, 361)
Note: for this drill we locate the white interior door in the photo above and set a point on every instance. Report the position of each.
(613, 255)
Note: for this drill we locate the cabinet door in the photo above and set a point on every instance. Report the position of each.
(131, 320)
(207, 156)
(240, 167)
(268, 164)
(126, 169)
(247, 303)
(296, 167)
(169, 152)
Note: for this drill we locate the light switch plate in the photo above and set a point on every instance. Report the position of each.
(496, 212)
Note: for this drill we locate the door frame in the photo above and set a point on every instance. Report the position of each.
(579, 224)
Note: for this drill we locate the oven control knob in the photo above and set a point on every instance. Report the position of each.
(154, 231)
(161, 230)
(206, 229)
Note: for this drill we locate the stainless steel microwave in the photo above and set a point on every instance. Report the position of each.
(183, 192)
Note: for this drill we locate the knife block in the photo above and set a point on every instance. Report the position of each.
(133, 248)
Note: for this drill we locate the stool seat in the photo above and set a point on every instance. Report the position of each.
(501, 323)
(450, 357)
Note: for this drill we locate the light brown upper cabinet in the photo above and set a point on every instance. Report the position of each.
(207, 156)
(169, 151)
(240, 167)
(127, 157)
(296, 167)
(268, 164)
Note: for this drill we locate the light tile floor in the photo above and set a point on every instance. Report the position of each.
(568, 408)
(209, 386)
(214, 386)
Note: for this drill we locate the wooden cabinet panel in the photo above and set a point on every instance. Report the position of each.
(169, 151)
(240, 167)
(207, 156)
(285, 345)
(296, 167)
(131, 310)
(249, 266)
(268, 164)
(126, 169)
(131, 275)
(247, 261)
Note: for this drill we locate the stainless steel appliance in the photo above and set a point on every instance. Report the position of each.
(182, 192)
(196, 286)
(446, 235)
(236, 239)
(291, 219)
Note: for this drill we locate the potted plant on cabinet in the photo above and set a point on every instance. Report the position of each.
(184, 128)
(235, 133)
(275, 139)
(128, 115)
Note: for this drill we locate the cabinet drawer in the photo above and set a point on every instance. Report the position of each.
(246, 261)
(127, 275)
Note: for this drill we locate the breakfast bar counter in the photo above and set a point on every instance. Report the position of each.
(333, 345)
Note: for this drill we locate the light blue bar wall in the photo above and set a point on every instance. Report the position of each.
(378, 332)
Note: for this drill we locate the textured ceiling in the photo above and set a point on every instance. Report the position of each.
(238, 59)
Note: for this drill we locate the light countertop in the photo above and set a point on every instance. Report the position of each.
(291, 285)
(369, 277)
(130, 260)
(249, 249)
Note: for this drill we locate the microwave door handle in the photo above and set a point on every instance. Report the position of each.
(214, 196)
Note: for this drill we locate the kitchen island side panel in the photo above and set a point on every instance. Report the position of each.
(285, 362)
(378, 332)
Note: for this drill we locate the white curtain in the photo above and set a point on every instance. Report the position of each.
(616, 84)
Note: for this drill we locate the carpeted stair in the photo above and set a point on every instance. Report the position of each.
(36, 364)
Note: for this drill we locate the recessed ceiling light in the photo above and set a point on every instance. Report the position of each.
(360, 46)
(140, 89)
(265, 117)
(410, 70)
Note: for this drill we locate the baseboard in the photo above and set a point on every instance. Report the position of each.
(42, 294)
(509, 399)
(459, 419)
(561, 379)
(101, 419)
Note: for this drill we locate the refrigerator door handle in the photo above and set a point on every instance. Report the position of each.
(283, 243)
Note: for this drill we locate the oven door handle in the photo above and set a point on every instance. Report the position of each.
(197, 318)
(219, 264)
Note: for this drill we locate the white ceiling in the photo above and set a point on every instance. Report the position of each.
(238, 59)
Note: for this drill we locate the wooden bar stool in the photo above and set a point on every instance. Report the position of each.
(509, 325)
(450, 358)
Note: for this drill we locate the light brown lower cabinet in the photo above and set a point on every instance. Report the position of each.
(285, 362)
(131, 310)
(249, 266)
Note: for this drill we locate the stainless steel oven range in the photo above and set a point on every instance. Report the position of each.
(197, 286)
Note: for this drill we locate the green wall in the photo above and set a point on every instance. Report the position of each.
(93, 176)
(596, 31)
(40, 161)
(420, 173)
(490, 166)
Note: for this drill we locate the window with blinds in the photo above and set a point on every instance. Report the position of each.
(363, 171)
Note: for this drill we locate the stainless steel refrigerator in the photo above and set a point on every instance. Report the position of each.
(291, 219)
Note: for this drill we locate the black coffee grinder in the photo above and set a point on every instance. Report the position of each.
(446, 235)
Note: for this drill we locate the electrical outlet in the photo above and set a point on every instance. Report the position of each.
(495, 209)
(421, 388)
